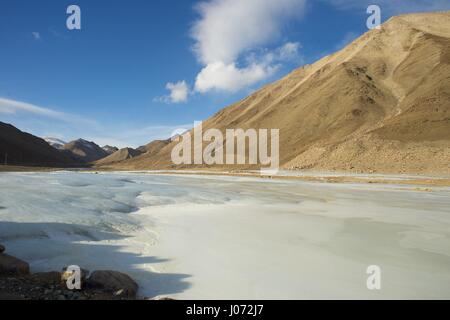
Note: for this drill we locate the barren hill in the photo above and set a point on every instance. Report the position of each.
(154, 146)
(118, 156)
(85, 151)
(380, 104)
(24, 149)
(110, 149)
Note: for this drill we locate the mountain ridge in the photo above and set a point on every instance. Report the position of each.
(55, 142)
(118, 156)
(23, 149)
(85, 151)
(381, 104)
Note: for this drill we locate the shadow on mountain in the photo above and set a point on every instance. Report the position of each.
(52, 246)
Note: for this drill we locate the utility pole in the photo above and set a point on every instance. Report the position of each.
(6, 159)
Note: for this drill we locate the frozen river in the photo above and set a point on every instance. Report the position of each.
(206, 237)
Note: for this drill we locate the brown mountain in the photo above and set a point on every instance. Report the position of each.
(110, 149)
(23, 149)
(85, 151)
(154, 146)
(118, 156)
(380, 104)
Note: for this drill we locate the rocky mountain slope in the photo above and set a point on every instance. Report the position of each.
(382, 104)
(23, 149)
(85, 151)
(154, 146)
(55, 143)
(110, 149)
(119, 156)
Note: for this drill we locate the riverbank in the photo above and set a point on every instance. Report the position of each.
(410, 179)
(338, 177)
(4, 168)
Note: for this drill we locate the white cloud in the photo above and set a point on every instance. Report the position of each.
(231, 78)
(12, 106)
(395, 6)
(178, 91)
(228, 77)
(36, 35)
(46, 122)
(289, 51)
(8, 106)
(227, 30)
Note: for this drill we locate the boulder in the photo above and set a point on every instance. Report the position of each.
(2, 248)
(13, 266)
(119, 284)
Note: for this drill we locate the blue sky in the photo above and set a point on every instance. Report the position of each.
(138, 69)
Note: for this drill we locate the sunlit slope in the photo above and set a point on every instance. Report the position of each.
(380, 104)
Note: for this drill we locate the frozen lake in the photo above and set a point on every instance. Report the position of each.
(210, 237)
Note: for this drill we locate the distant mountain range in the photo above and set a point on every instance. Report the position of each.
(85, 151)
(20, 148)
(23, 149)
(82, 149)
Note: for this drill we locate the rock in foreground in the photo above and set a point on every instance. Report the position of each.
(47, 286)
(16, 283)
(13, 266)
(118, 283)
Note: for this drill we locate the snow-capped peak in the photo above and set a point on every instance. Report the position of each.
(55, 143)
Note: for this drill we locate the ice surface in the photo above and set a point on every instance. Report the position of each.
(209, 237)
